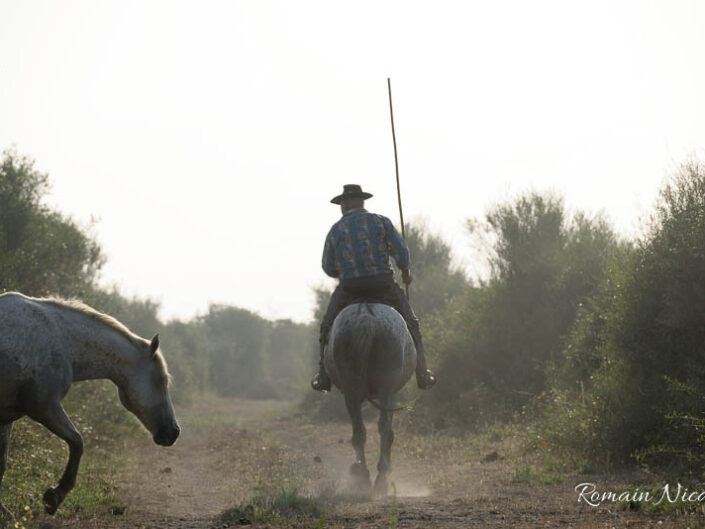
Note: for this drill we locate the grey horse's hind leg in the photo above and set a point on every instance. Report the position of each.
(5, 430)
(358, 469)
(56, 420)
(386, 435)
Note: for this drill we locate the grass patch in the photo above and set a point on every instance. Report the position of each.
(394, 510)
(279, 509)
(289, 505)
(526, 474)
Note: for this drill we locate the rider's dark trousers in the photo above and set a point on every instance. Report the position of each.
(380, 288)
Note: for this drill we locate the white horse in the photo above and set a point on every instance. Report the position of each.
(370, 356)
(45, 345)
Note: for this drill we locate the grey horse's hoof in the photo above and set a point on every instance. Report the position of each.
(52, 499)
(381, 489)
(360, 476)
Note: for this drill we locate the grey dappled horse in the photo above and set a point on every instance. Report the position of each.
(370, 356)
(45, 345)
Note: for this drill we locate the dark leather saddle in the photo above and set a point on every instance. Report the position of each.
(364, 302)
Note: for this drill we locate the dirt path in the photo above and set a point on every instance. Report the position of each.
(231, 450)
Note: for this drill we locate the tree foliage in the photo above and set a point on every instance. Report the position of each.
(504, 338)
(648, 356)
(436, 279)
(41, 251)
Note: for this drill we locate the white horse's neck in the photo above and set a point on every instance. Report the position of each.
(98, 350)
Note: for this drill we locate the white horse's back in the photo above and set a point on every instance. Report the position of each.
(26, 353)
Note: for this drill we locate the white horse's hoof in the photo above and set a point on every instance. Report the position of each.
(52, 499)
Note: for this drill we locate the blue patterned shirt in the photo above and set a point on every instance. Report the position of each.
(360, 244)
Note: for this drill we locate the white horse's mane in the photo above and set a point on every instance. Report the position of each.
(111, 322)
(98, 316)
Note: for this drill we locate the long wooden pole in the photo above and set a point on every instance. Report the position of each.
(396, 167)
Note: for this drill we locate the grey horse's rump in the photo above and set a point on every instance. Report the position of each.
(370, 352)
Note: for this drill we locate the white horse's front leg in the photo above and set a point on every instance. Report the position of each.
(55, 419)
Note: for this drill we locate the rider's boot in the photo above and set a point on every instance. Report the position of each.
(321, 380)
(425, 378)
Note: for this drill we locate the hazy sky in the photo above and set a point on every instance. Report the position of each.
(208, 137)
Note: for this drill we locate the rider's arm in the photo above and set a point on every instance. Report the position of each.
(329, 256)
(397, 246)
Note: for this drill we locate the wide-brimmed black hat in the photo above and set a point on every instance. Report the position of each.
(351, 191)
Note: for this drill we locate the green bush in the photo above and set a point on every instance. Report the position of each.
(639, 349)
(504, 340)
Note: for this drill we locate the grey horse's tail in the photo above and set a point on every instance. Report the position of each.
(352, 350)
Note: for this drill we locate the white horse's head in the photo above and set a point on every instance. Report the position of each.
(146, 394)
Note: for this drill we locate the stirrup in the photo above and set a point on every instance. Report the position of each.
(427, 380)
(320, 382)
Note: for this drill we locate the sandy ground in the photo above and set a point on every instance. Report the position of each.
(231, 450)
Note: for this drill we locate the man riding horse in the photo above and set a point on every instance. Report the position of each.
(357, 252)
